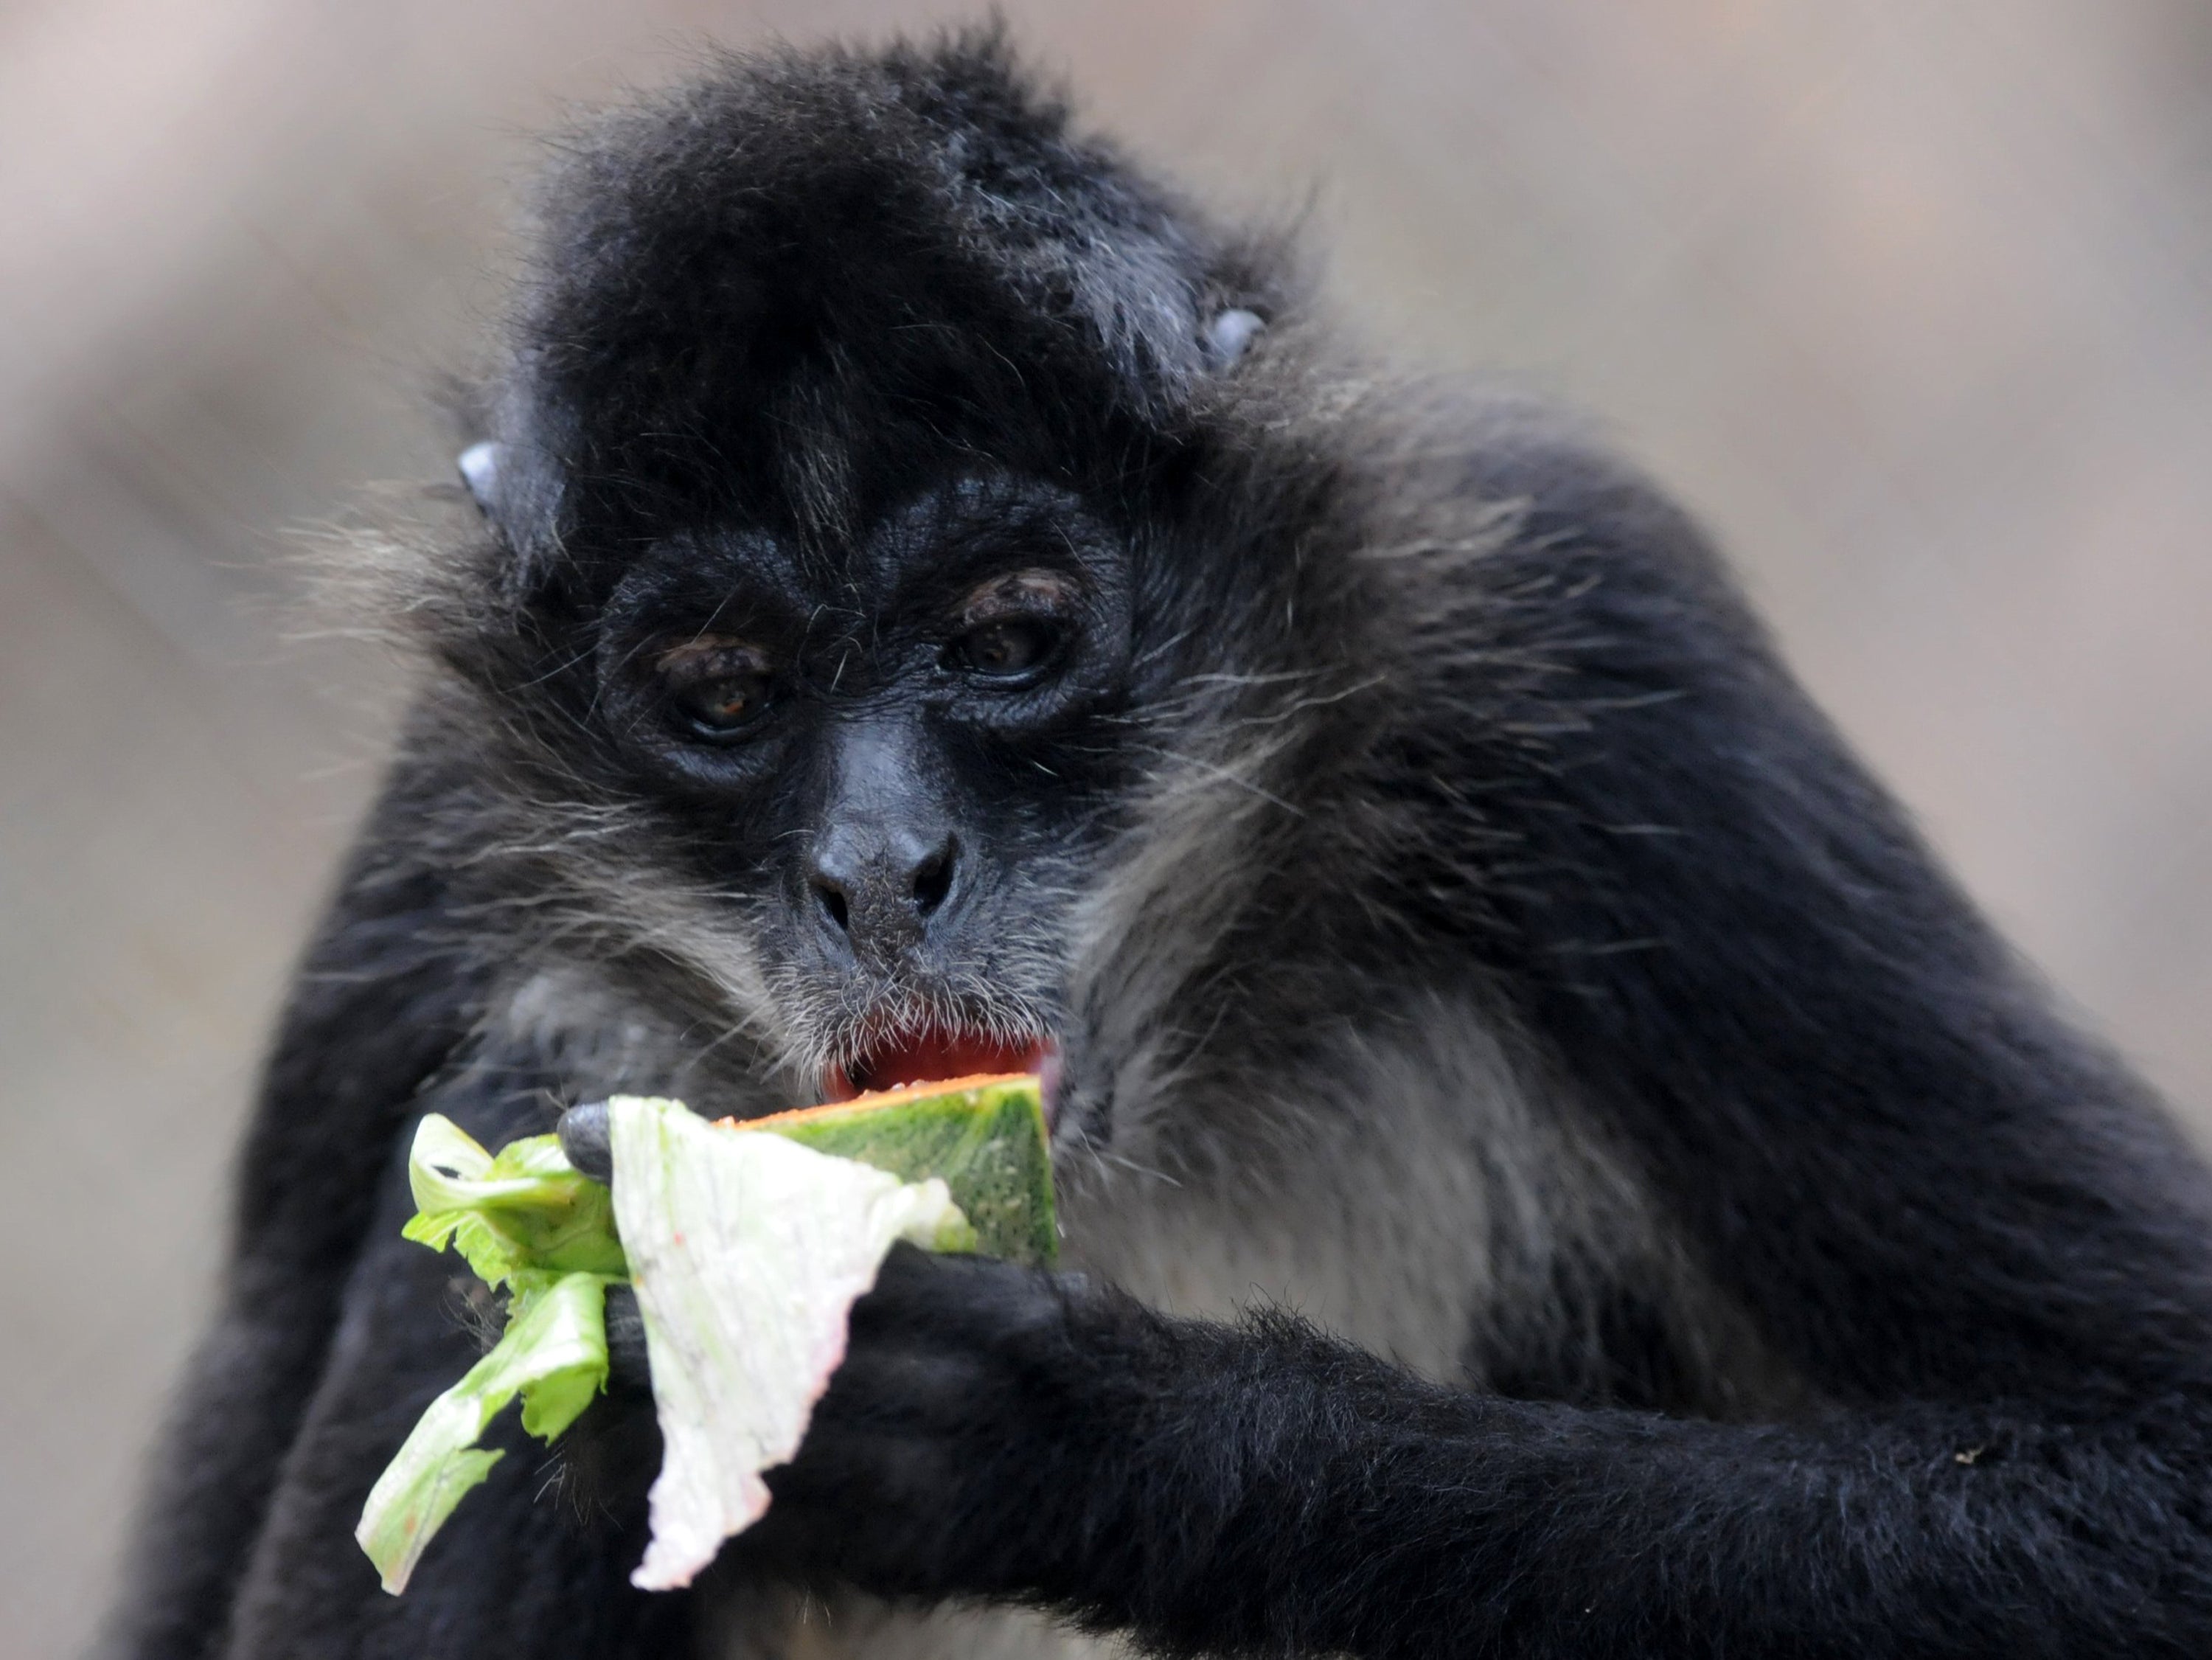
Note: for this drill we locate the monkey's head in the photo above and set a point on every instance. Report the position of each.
(874, 504)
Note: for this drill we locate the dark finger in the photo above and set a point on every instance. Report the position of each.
(583, 1132)
(626, 1365)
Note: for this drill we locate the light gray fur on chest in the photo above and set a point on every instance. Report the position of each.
(1369, 1194)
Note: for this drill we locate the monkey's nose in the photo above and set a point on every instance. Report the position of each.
(880, 891)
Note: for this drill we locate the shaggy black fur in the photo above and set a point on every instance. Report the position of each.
(1404, 789)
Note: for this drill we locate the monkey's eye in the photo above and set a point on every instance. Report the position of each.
(1007, 647)
(716, 689)
(715, 709)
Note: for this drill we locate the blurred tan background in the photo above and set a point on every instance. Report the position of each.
(1912, 302)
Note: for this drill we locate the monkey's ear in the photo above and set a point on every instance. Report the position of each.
(517, 483)
(479, 465)
(1229, 334)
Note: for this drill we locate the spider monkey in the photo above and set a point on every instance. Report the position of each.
(1549, 1163)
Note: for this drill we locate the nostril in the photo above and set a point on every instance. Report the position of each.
(833, 906)
(933, 879)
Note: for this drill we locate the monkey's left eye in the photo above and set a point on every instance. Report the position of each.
(1007, 648)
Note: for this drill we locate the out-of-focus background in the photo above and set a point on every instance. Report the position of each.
(1913, 302)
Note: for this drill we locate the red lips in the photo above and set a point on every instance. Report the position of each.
(928, 1057)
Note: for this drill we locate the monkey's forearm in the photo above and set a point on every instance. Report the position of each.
(1282, 1494)
(1265, 1489)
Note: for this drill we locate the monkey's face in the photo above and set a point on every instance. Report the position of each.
(898, 755)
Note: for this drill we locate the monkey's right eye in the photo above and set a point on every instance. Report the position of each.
(717, 708)
(716, 689)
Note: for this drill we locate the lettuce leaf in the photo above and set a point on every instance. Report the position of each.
(525, 1208)
(554, 1354)
(747, 1252)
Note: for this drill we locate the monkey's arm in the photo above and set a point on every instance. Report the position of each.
(1265, 1490)
(379, 1005)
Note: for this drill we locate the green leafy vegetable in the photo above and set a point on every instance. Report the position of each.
(747, 1243)
(554, 1355)
(528, 1220)
(525, 1208)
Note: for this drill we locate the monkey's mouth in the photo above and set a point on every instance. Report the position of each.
(937, 1053)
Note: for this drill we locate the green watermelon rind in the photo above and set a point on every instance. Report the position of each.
(987, 1142)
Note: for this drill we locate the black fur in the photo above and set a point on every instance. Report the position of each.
(1451, 913)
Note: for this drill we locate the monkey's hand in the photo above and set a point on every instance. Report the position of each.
(940, 1417)
(986, 1435)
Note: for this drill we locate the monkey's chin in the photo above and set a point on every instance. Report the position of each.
(935, 1054)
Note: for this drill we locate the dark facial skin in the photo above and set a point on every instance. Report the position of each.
(896, 748)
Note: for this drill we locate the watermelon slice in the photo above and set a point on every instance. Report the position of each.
(984, 1136)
